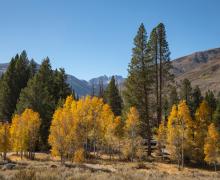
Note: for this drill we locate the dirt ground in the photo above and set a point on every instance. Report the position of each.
(45, 167)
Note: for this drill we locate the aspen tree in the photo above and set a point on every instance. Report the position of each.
(174, 135)
(4, 138)
(179, 132)
(211, 147)
(161, 137)
(25, 132)
(61, 135)
(133, 141)
(202, 120)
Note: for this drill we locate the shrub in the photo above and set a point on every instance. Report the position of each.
(25, 175)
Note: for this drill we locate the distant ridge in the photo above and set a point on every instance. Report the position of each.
(201, 68)
(81, 87)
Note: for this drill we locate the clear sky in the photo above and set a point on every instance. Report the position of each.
(90, 38)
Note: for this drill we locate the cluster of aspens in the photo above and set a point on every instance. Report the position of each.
(21, 135)
(79, 129)
(190, 138)
(87, 127)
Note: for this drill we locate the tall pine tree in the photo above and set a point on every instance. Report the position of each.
(13, 80)
(160, 54)
(139, 82)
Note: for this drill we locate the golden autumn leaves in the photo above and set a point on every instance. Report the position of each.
(22, 134)
(189, 138)
(88, 125)
(78, 130)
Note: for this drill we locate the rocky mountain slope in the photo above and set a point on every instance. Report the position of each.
(201, 68)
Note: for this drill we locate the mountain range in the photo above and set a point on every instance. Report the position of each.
(81, 87)
(201, 68)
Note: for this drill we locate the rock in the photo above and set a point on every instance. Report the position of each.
(53, 166)
(8, 166)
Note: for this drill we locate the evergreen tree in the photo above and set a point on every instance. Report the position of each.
(113, 98)
(160, 54)
(212, 102)
(165, 108)
(38, 96)
(61, 88)
(101, 89)
(196, 99)
(173, 97)
(186, 91)
(216, 116)
(33, 68)
(139, 83)
(13, 80)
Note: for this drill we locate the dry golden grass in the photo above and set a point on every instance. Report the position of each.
(45, 168)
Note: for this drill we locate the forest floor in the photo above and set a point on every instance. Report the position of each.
(45, 167)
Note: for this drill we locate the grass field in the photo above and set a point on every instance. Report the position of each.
(46, 167)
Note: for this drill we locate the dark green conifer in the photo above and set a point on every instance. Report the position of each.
(138, 85)
(113, 97)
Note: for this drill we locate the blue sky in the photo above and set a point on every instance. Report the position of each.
(94, 37)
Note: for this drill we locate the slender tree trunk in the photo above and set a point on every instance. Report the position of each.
(215, 166)
(132, 147)
(160, 87)
(182, 153)
(179, 163)
(146, 104)
(157, 84)
(119, 150)
(4, 155)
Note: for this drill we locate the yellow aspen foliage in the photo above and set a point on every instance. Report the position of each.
(161, 137)
(186, 123)
(60, 133)
(25, 132)
(179, 132)
(202, 120)
(174, 135)
(118, 127)
(133, 144)
(79, 155)
(80, 125)
(96, 107)
(211, 147)
(132, 125)
(203, 114)
(17, 140)
(4, 138)
(118, 133)
(107, 126)
(31, 122)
